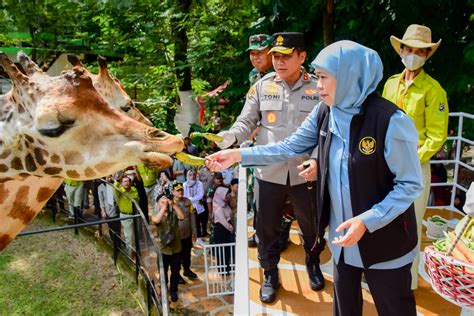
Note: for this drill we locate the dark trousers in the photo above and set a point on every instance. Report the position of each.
(201, 223)
(173, 262)
(255, 188)
(223, 255)
(272, 198)
(186, 246)
(390, 289)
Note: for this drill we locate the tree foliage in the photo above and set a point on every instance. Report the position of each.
(161, 43)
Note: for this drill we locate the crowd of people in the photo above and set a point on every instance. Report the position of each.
(188, 205)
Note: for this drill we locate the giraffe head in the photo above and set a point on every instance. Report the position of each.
(110, 88)
(57, 127)
(62, 127)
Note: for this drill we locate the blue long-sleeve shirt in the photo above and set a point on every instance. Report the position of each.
(400, 154)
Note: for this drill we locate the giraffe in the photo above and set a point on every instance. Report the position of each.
(57, 127)
(110, 88)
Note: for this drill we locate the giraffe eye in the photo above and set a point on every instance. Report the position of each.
(56, 131)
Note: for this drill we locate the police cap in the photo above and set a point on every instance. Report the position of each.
(287, 42)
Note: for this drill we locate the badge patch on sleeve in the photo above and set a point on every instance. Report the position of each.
(251, 92)
(367, 145)
(441, 107)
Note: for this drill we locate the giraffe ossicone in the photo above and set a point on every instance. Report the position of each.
(61, 127)
(110, 88)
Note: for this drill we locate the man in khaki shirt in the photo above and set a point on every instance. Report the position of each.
(278, 104)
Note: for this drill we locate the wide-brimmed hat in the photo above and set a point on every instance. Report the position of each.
(417, 36)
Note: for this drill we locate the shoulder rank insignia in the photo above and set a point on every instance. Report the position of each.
(367, 145)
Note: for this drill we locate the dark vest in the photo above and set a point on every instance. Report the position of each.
(370, 180)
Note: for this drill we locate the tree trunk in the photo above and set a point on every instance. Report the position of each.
(328, 22)
(182, 68)
(183, 71)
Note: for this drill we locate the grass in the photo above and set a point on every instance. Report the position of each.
(63, 274)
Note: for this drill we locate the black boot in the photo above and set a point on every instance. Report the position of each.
(316, 278)
(269, 287)
(181, 280)
(190, 274)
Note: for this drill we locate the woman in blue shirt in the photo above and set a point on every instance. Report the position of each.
(372, 178)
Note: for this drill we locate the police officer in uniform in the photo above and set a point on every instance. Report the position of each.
(259, 47)
(278, 104)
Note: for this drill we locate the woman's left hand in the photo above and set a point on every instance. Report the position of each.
(309, 173)
(356, 229)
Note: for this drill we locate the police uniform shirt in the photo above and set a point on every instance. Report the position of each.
(278, 110)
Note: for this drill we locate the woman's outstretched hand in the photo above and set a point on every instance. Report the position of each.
(223, 159)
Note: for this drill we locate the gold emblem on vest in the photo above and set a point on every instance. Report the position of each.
(367, 145)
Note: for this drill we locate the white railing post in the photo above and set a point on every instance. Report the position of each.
(241, 293)
(458, 158)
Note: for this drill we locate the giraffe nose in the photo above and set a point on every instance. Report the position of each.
(156, 133)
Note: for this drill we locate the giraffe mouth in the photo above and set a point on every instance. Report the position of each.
(157, 161)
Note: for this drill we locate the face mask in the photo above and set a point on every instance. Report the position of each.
(413, 61)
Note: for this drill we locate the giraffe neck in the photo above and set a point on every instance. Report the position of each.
(21, 199)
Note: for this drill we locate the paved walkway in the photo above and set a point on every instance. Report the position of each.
(193, 295)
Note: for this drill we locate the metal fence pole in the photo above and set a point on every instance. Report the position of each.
(76, 220)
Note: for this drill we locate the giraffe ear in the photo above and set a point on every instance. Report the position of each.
(103, 68)
(12, 71)
(28, 64)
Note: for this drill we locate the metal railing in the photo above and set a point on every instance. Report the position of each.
(148, 261)
(219, 268)
(457, 161)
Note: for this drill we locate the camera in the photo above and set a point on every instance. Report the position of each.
(168, 192)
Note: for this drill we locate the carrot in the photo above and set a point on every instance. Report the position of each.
(461, 246)
(458, 255)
